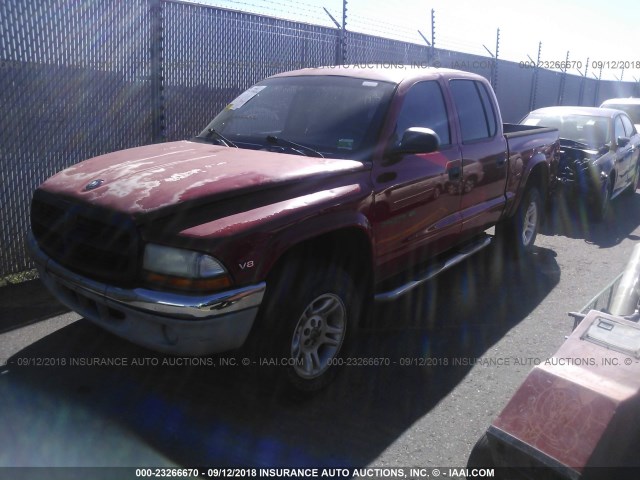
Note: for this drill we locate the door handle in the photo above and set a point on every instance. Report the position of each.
(501, 161)
(454, 173)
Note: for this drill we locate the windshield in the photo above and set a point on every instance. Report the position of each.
(592, 131)
(330, 115)
(632, 110)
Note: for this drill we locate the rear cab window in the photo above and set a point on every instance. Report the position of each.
(475, 110)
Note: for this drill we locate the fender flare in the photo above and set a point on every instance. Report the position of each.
(536, 162)
(295, 235)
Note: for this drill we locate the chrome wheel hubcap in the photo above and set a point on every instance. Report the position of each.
(605, 201)
(530, 223)
(318, 335)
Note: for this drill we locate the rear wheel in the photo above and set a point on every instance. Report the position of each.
(520, 231)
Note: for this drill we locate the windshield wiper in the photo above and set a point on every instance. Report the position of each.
(221, 138)
(296, 147)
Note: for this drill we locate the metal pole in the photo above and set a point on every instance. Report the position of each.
(534, 81)
(338, 38)
(343, 33)
(597, 93)
(625, 301)
(495, 62)
(156, 66)
(582, 81)
(433, 35)
(428, 45)
(335, 22)
(563, 79)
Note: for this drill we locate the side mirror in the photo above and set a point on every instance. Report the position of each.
(623, 141)
(416, 140)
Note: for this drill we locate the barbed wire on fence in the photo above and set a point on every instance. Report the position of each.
(451, 32)
(290, 10)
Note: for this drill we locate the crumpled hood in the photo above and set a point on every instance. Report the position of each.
(145, 179)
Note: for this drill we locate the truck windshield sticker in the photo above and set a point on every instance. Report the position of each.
(367, 83)
(532, 121)
(346, 143)
(245, 97)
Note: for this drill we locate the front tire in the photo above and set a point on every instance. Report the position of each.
(631, 189)
(602, 203)
(311, 315)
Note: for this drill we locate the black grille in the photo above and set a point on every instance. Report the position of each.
(100, 244)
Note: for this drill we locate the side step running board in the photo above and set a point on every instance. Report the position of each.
(436, 269)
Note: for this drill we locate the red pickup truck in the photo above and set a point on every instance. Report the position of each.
(310, 195)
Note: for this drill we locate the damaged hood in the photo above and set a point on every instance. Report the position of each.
(145, 179)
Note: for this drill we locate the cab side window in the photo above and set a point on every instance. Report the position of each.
(475, 111)
(488, 109)
(424, 106)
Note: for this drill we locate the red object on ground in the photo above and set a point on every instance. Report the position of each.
(580, 408)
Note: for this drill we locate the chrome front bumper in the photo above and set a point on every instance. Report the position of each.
(167, 322)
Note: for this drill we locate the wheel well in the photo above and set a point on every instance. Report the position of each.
(538, 178)
(349, 247)
(612, 178)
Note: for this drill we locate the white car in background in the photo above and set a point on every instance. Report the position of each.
(630, 105)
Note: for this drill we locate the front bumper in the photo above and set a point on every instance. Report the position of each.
(582, 180)
(173, 323)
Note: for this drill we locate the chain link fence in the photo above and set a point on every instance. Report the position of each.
(79, 79)
(74, 83)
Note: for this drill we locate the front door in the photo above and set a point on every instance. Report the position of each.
(416, 214)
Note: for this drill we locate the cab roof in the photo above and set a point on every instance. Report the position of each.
(383, 72)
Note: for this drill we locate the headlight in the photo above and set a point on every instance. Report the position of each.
(181, 263)
(183, 269)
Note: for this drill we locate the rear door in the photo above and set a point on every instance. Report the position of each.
(484, 155)
(624, 155)
(634, 139)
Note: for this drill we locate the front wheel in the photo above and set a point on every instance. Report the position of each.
(520, 231)
(310, 322)
(603, 200)
(631, 189)
(318, 335)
